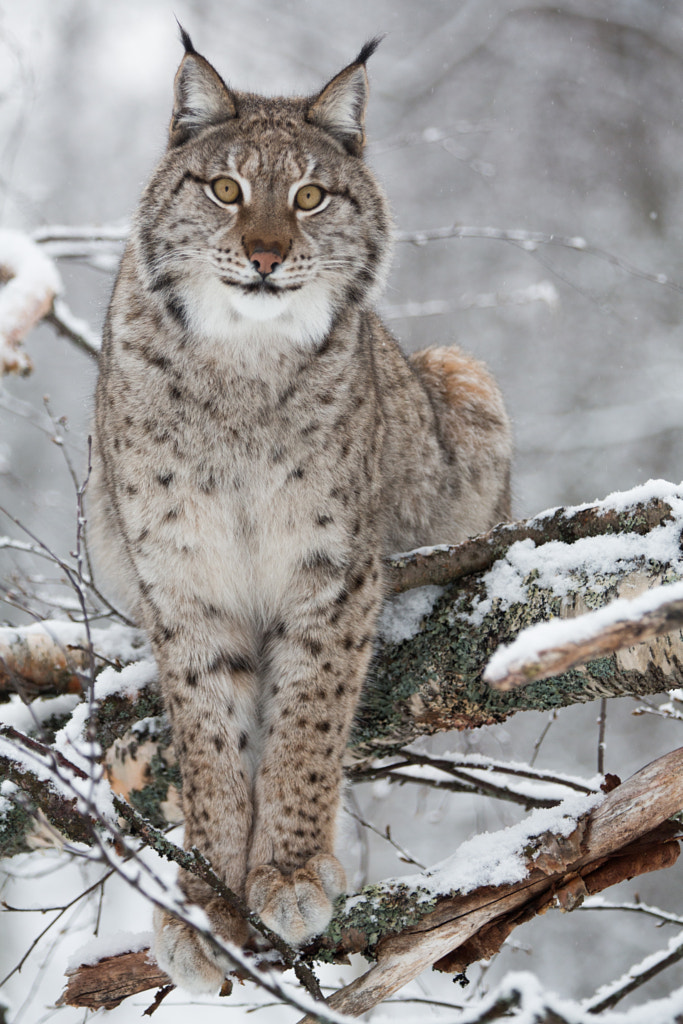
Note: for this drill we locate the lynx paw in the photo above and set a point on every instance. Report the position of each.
(297, 906)
(189, 960)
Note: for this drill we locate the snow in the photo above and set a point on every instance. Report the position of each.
(109, 945)
(27, 295)
(25, 717)
(127, 681)
(402, 615)
(532, 642)
(116, 642)
(498, 858)
(556, 564)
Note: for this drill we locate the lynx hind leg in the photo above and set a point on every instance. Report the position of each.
(474, 422)
(297, 906)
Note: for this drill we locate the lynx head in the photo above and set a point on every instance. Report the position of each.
(262, 222)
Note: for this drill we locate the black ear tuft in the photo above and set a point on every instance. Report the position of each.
(185, 39)
(368, 50)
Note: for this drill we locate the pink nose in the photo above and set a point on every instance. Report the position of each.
(265, 261)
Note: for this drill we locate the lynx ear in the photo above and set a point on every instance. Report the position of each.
(201, 97)
(340, 108)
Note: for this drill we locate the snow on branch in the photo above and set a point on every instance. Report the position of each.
(434, 644)
(549, 648)
(32, 284)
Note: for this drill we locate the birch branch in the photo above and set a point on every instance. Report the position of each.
(31, 288)
(550, 648)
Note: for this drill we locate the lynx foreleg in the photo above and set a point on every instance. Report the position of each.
(212, 708)
(316, 678)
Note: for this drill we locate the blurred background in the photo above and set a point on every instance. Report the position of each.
(559, 121)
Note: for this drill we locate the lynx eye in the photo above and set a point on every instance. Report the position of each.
(226, 189)
(308, 197)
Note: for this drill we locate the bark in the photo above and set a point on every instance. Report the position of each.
(627, 835)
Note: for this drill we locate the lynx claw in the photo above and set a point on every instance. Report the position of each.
(296, 906)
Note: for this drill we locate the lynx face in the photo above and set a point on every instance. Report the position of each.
(262, 221)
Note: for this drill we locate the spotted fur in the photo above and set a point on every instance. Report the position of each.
(260, 444)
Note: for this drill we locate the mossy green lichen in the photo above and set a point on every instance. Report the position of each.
(148, 801)
(16, 822)
(378, 911)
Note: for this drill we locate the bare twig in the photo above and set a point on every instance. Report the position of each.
(529, 240)
(637, 976)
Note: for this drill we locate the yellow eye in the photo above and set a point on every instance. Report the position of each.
(226, 189)
(309, 196)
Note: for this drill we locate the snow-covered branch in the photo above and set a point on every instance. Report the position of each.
(549, 648)
(32, 284)
(464, 908)
(434, 644)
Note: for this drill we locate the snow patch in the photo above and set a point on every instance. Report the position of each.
(402, 615)
(556, 564)
(109, 945)
(498, 858)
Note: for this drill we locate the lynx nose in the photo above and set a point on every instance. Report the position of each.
(265, 260)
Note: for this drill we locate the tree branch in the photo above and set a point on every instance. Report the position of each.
(407, 930)
(547, 649)
(33, 284)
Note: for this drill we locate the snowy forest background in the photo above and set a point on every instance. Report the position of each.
(563, 119)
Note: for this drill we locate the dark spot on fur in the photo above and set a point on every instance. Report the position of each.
(295, 474)
(234, 663)
(243, 740)
(323, 726)
(165, 478)
(218, 743)
(191, 679)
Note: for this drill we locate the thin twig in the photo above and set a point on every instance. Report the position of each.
(528, 240)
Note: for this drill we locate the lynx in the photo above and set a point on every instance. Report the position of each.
(261, 444)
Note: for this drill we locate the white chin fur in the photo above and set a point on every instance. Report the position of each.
(252, 328)
(259, 305)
